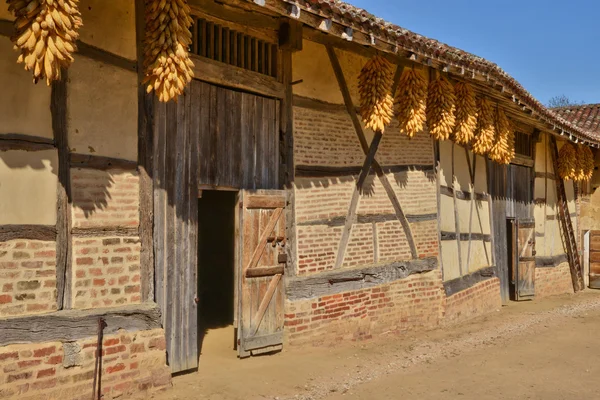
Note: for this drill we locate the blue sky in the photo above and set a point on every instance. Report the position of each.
(551, 47)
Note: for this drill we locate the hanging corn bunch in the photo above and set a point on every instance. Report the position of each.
(375, 90)
(166, 57)
(411, 102)
(46, 32)
(440, 108)
(485, 133)
(503, 150)
(588, 163)
(567, 162)
(466, 113)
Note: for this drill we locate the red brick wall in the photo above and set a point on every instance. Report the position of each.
(27, 277)
(132, 363)
(477, 300)
(106, 272)
(553, 281)
(104, 198)
(415, 302)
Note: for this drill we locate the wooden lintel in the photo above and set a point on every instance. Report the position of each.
(218, 73)
(355, 279)
(15, 141)
(100, 163)
(264, 202)
(72, 325)
(258, 272)
(27, 232)
(290, 35)
(524, 161)
(468, 281)
(245, 18)
(117, 231)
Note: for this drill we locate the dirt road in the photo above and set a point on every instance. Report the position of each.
(539, 350)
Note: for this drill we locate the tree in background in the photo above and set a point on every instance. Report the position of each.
(562, 101)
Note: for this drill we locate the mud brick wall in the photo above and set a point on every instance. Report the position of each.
(412, 303)
(479, 299)
(107, 272)
(133, 366)
(27, 277)
(553, 281)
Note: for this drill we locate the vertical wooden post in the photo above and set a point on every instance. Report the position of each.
(58, 107)
(145, 152)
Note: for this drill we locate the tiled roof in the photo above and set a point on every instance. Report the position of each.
(357, 18)
(585, 116)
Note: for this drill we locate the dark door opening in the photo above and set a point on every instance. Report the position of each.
(216, 274)
(511, 248)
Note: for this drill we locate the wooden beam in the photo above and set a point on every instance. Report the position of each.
(28, 232)
(461, 195)
(545, 175)
(456, 215)
(106, 57)
(551, 261)
(259, 272)
(145, 162)
(468, 281)
(464, 237)
(368, 219)
(117, 231)
(325, 171)
(221, 74)
(237, 15)
(15, 141)
(100, 162)
(334, 282)
(58, 108)
(72, 325)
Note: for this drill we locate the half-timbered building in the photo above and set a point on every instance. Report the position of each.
(258, 201)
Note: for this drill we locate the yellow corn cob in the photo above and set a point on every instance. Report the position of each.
(45, 35)
(375, 89)
(485, 133)
(466, 113)
(440, 108)
(584, 165)
(166, 58)
(503, 150)
(567, 162)
(411, 102)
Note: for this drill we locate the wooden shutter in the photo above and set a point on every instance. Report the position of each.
(524, 274)
(260, 266)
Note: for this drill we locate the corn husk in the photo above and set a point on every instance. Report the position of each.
(485, 134)
(466, 114)
(567, 162)
(503, 150)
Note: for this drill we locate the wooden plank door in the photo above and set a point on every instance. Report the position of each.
(260, 266)
(525, 260)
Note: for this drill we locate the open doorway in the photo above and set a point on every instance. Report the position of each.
(216, 274)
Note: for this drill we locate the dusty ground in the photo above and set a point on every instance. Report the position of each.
(546, 349)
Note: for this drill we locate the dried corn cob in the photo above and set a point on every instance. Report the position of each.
(588, 163)
(166, 57)
(485, 133)
(503, 149)
(375, 89)
(46, 32)
(567, 162)
(440, 108)
(466, 113)
(411, 102)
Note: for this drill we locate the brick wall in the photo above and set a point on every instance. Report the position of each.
(412, 303)
(27, 277)
(133, 364)
(106, 272)
(104, 198)
(477, 300)
(553, 281)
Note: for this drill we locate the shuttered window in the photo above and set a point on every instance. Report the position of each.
(228, 46)
(523, 146)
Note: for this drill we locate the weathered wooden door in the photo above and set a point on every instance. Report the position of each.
(524, 273)
(260, 266)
